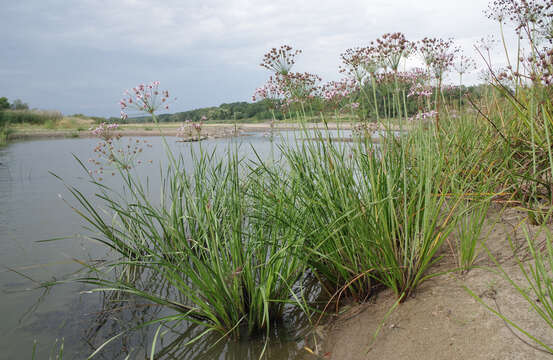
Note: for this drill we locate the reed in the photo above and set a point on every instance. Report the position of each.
(371, 214)
(228, 267)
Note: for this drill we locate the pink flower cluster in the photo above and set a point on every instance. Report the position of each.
(144, 98)
(407, 78)
(185, 129)
(334, 91)
(438, 54)
(393, 47)
(284, 90)
(104, 131)
(424, 115)
(114, 155)
(420, 91)
(198, 126)
(272, 90)
(280, 60)
(464, 64)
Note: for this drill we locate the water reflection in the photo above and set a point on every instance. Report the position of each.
(125, 314)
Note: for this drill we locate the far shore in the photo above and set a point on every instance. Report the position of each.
(170, 129)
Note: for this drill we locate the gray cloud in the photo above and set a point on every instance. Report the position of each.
(79, 56)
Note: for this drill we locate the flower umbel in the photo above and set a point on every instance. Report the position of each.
(104, 131)
(146, 98)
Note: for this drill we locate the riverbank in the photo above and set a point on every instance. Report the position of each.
(443, 321)
(208, 130)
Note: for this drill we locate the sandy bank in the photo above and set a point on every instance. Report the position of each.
(443, 321)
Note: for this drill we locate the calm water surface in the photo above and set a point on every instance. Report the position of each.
(33, 208)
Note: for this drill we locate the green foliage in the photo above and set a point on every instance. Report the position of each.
(97, 119)
(227, 265)
(225, 112)
(29, 116)
(469, 224)
(4, 103)
(49, 124)
(19, 105)
(4, 132)
(369, 214)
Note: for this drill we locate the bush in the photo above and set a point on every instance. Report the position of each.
(29, 116)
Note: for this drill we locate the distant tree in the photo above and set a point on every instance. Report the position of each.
(4, 103)
(19, 105)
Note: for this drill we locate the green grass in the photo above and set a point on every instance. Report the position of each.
(29, 116)
(231, 269)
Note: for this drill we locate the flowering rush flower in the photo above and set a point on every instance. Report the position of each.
(334, 91)
(198, 126)
(272, 91)
(393, 47)
(424, 115)
(420, 91)
(104, 130)
(438, 54)
(183, 130)
(146, 98)
(280, 60)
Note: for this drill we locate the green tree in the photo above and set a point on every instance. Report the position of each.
(4, 103)
(19, 105)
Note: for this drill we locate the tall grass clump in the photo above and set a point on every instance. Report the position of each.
(371, 214)
(469, 225)
(227, 266)
(473, 178)
(327, 208)
(410, 221)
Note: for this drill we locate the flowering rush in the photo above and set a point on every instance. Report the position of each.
(146, 98)
(424, 115)
(420, 91)
(198, 126)
(334, 91)
(104, 130)
(280, 60)
(272, 90)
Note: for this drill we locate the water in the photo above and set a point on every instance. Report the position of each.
(33, 207)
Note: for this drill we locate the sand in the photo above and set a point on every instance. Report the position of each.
(443, 321)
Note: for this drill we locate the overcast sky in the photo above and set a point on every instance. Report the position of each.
(78, 56)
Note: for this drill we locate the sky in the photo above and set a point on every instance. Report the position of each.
(78, 56)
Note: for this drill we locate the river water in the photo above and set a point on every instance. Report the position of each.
(34, 207)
